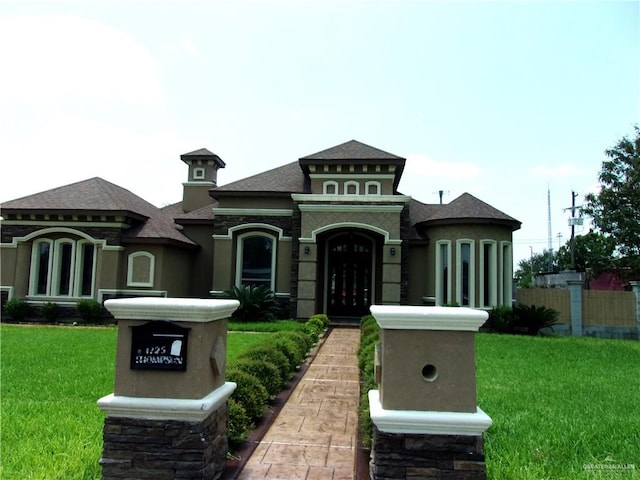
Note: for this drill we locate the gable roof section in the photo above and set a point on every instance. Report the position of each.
(464, 209)
(97, 196)
(352, 150)
(286, 179)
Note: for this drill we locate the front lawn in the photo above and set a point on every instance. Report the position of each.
(562, 407)
(51, 379)
(558, 404)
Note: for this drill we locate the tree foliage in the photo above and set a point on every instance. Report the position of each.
(593, 251)
(615, 210)
(538, 263)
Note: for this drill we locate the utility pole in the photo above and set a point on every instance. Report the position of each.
(573, 221)
(573, 230)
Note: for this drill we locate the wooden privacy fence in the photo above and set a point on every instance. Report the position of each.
(597, 312)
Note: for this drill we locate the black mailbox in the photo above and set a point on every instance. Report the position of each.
(159, 345)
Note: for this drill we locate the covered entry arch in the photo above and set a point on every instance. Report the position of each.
(349, 270)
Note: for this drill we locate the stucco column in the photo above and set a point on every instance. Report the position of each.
(575, 301)
(167, 417)
(425, 416)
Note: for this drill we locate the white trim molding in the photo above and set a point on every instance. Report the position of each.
(171, 309)
(427, 422)
(413, 317)
(311, 197)
(351, 208)
(261, 212)
(152, 269)
(186, 410)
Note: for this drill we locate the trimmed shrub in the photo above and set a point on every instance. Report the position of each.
(17, 309)
(301, 338)
(269, 353)
(313, 331)
(263, 370)
(323, 318)
(501, 320)
(250, 393)
(257, 303)
(291, 349)
(317, 322)
(50, 311)
(239, 423)
(369, 335)
(89, 310)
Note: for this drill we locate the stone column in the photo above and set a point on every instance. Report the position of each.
(167, 417)
(635, 287)
(426, 420)
(575, 301)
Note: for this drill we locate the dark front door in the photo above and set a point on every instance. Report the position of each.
(349, 275)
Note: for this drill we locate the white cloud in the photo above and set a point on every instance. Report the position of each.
(53, 58)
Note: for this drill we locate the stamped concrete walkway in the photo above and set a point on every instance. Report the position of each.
(314, 437)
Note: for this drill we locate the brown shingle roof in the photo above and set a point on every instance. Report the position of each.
(202, 154)
(464, 208)
(352, 150)
(97, 196)
(285, 179)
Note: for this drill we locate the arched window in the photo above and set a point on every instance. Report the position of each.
(488, 274)
(141, 269)
(351, 188)
(62, 268)
(330, 187)
(373, 188)
(443, 272)
(465, 273)
(255, 264)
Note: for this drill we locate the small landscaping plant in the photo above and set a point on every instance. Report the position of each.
(257, 303)
(50, 311)
(90, 310)
(530, 319)
(238, 423)
(249, 393)
(17, 309)
(265, 371)
(501, 320)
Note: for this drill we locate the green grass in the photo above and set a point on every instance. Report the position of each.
(279, 326)
(558, 404)
(51, 378)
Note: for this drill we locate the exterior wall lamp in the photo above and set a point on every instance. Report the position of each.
(392, 251)
(307, 249)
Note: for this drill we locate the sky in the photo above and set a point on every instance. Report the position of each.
(509, 101)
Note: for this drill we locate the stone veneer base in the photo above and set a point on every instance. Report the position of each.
(141, 449)
(411, 444)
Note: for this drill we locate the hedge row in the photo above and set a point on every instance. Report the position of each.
(369, 337)
(264, 370)
(89, 310)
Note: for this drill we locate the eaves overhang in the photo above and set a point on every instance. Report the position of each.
(512, 224)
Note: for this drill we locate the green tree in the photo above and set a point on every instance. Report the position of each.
(529, 267)
(592, 251)
(615, 210)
